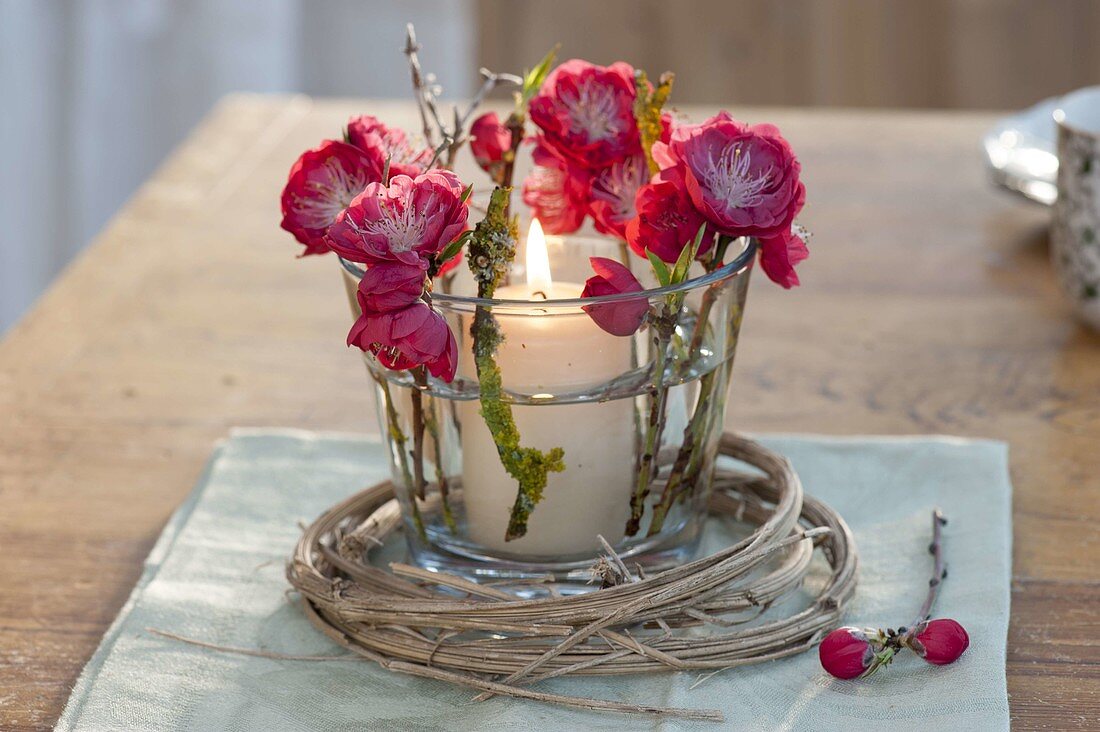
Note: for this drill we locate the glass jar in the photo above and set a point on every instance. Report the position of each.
(637, 419)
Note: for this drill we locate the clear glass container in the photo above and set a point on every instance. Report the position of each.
(638, 419)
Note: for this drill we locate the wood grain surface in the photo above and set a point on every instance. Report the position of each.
(928, 307)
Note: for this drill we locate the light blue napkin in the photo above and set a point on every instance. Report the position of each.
(216, 574)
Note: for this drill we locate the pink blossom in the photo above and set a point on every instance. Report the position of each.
(369, 134)
(845, 653)
(489, 141)
(415, 335)
(779, 254)
(556, 191)
(941, 641)
(410, 219)
(744, 180)
(389, 286)
(620, 318)
(612, 193)
(586, 113)
(666, 221)
(321, 184)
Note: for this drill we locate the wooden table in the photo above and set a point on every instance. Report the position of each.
(928, 307)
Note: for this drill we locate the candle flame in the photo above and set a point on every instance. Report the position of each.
(538, 261)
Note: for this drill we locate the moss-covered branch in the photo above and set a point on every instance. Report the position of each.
(492, 248)
(647, 111)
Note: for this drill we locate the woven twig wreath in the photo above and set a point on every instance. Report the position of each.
(446, 627)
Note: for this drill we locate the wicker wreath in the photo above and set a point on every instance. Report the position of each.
(446, 627)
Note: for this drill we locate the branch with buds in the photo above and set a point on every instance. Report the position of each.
(848, 653)
(438, 134)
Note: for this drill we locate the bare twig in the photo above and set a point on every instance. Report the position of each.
(939, 569)
(490, 81)
(258, 653)
(419, 484)
(437, 134)
(423, 94)
(939, 574)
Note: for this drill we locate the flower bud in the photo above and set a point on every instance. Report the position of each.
(845, 653)
(489, 140)
(940, 641)
(622, 318)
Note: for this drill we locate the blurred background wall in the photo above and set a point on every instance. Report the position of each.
(991, 54)
(94, 93)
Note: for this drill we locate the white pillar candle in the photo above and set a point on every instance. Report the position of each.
(552, 354)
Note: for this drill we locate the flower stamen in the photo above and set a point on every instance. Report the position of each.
(729, 177)
(618, 185)
(334, 192)
(593, 111)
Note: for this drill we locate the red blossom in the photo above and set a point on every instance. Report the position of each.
(940, 641)
(410, 219)
(744, 180)
(415, 335)
(620, 318)
(370, 135)
(846, 653)
(779, 254)
(390, 286)
(556, 191)
(612, 194)
(586, 113)
(321, 184)
(666, 221)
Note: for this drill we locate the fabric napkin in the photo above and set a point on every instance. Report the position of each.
(216, 574)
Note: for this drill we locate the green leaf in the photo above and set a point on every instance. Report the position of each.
(687, 256)
(659, 268)
(454, 247)
(466, 193)
(532, 80)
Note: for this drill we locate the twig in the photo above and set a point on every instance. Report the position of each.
(452, 137)
(515, 124)
(258, 653)
(491, 81)
(397, 435)
(421, 379)
(423, 95)
(616, 559)
(664, 324)
(939, 569)
(447, 146)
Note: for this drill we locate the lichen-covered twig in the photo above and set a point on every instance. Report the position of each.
(491, 249)
(648, 104)
(490, 252)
